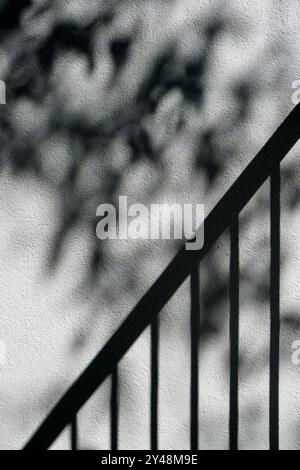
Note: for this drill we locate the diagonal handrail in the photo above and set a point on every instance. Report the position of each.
(219, 219)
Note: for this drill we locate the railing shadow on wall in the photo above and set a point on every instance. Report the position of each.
(224, 216)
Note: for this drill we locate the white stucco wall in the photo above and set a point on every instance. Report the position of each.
(55, 317)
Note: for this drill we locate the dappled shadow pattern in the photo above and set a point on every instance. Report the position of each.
(91, 88)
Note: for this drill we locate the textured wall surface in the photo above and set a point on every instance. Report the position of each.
(161, 101)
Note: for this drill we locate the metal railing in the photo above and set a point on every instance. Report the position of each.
(224, 216)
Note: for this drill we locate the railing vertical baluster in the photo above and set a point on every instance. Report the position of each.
(74, 433)
(154, 384)
(274, 307)
(114, 409)
(234, 335)
(195, 331)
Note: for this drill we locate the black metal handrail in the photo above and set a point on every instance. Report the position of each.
(225, 215)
